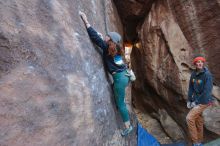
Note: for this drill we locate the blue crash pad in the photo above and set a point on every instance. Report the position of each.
(145, 139)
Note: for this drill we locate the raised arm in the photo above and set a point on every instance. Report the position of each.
(94, 36)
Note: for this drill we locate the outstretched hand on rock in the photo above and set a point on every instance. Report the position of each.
(84, 18)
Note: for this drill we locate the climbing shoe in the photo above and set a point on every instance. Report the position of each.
(126, 131)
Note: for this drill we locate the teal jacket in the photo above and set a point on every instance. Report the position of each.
(200, 87)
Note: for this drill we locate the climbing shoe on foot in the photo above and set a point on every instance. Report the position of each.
(126, 131)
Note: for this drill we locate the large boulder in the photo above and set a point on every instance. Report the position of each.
(171, 34)
(54, 90)
(212, 117)
(164, 56)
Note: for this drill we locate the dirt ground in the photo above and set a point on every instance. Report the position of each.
(152, 126)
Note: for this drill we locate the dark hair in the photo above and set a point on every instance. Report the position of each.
(114, 49)
(120, 50)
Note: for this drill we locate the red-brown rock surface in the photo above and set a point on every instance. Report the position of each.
(53, 88)
(131, 13)
(172, 32)
(199, 21)
(165, 63)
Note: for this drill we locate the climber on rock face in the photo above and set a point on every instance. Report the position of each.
(199, 98)
(112, 55)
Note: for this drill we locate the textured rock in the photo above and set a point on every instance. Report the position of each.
(153, 126)
(169, 125)
(199, 21)
(163, 64)
(212, 117)
(53, 87)
(53, 91)
(216, 92)
(213, 143)
(132, 12)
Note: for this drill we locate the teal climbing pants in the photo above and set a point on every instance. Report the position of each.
(120, 83)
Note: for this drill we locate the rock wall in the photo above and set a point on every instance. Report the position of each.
(163, 75)
(171, 34)
(199, 21)
(132, 12)
(55, 91)
(53, 87)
